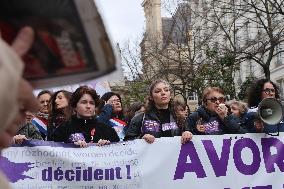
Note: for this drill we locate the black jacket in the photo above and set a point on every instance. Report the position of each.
(230, 125)
(137, 125)
(92, 130)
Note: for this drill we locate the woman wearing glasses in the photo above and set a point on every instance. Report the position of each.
(259, 90)
(213, 116)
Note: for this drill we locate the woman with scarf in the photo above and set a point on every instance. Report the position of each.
(41, 117)
(111, 113)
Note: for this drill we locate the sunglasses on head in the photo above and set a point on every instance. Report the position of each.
(268, 91)
(214, 99)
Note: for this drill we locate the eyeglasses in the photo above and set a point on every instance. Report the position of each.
(268, 91)
(214, 99)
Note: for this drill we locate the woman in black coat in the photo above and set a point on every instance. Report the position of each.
(83, 128)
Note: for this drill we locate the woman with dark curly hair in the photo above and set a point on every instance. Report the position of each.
(259, 90)
(59, 111)
(158, 119)
(83, 128)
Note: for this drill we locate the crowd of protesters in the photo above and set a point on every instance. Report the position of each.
(83, 117)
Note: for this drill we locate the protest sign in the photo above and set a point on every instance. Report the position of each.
(251, 161)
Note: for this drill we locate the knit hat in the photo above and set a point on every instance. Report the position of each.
(11, 68)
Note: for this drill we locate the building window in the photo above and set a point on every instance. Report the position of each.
(280, 83)
(280, 55)
(192, 96)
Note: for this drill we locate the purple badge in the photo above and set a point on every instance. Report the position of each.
(150, 126)
(75, 137)
(211, 127)
(169, 126)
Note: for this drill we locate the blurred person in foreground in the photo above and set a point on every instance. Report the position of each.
(16, 94)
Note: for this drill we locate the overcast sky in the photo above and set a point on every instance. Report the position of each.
(124, 18)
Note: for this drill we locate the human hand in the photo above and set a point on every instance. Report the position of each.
(222, 111)
(23, 41)
(186, 136)
(149, 138)
(102, 142)
(81, 143)
(19, 139)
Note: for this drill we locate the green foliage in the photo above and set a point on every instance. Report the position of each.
(217, 71)
(137, 91)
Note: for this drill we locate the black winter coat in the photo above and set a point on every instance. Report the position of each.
(230, 125)
(91, 129)
(138, 123)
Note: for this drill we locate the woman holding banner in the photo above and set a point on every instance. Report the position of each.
(213, 116)
(83, 128)
(158, 119)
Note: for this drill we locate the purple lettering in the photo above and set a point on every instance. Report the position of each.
(78, 173)
(98, 174)
(240, 165)
(269, 159)
(47, 174)
(68, 175)
(262, 187)
(87, 174)
(128, 171)
(109, 174)
(118, 174)
(188, 150)
(219, 164)
(58, 174)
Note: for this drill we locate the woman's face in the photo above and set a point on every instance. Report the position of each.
(85, 107)
(43, 101)
(61, 101)
(161, 95)
(235, 110)
(213, 100)
(181, 112)
(268, 91)
(116, 104)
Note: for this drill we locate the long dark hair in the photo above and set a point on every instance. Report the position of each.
(53, 111)
(255, 91)
(180, 122)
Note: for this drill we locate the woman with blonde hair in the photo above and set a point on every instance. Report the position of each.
(213, 116)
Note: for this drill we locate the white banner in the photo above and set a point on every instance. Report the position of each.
(251, 161)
